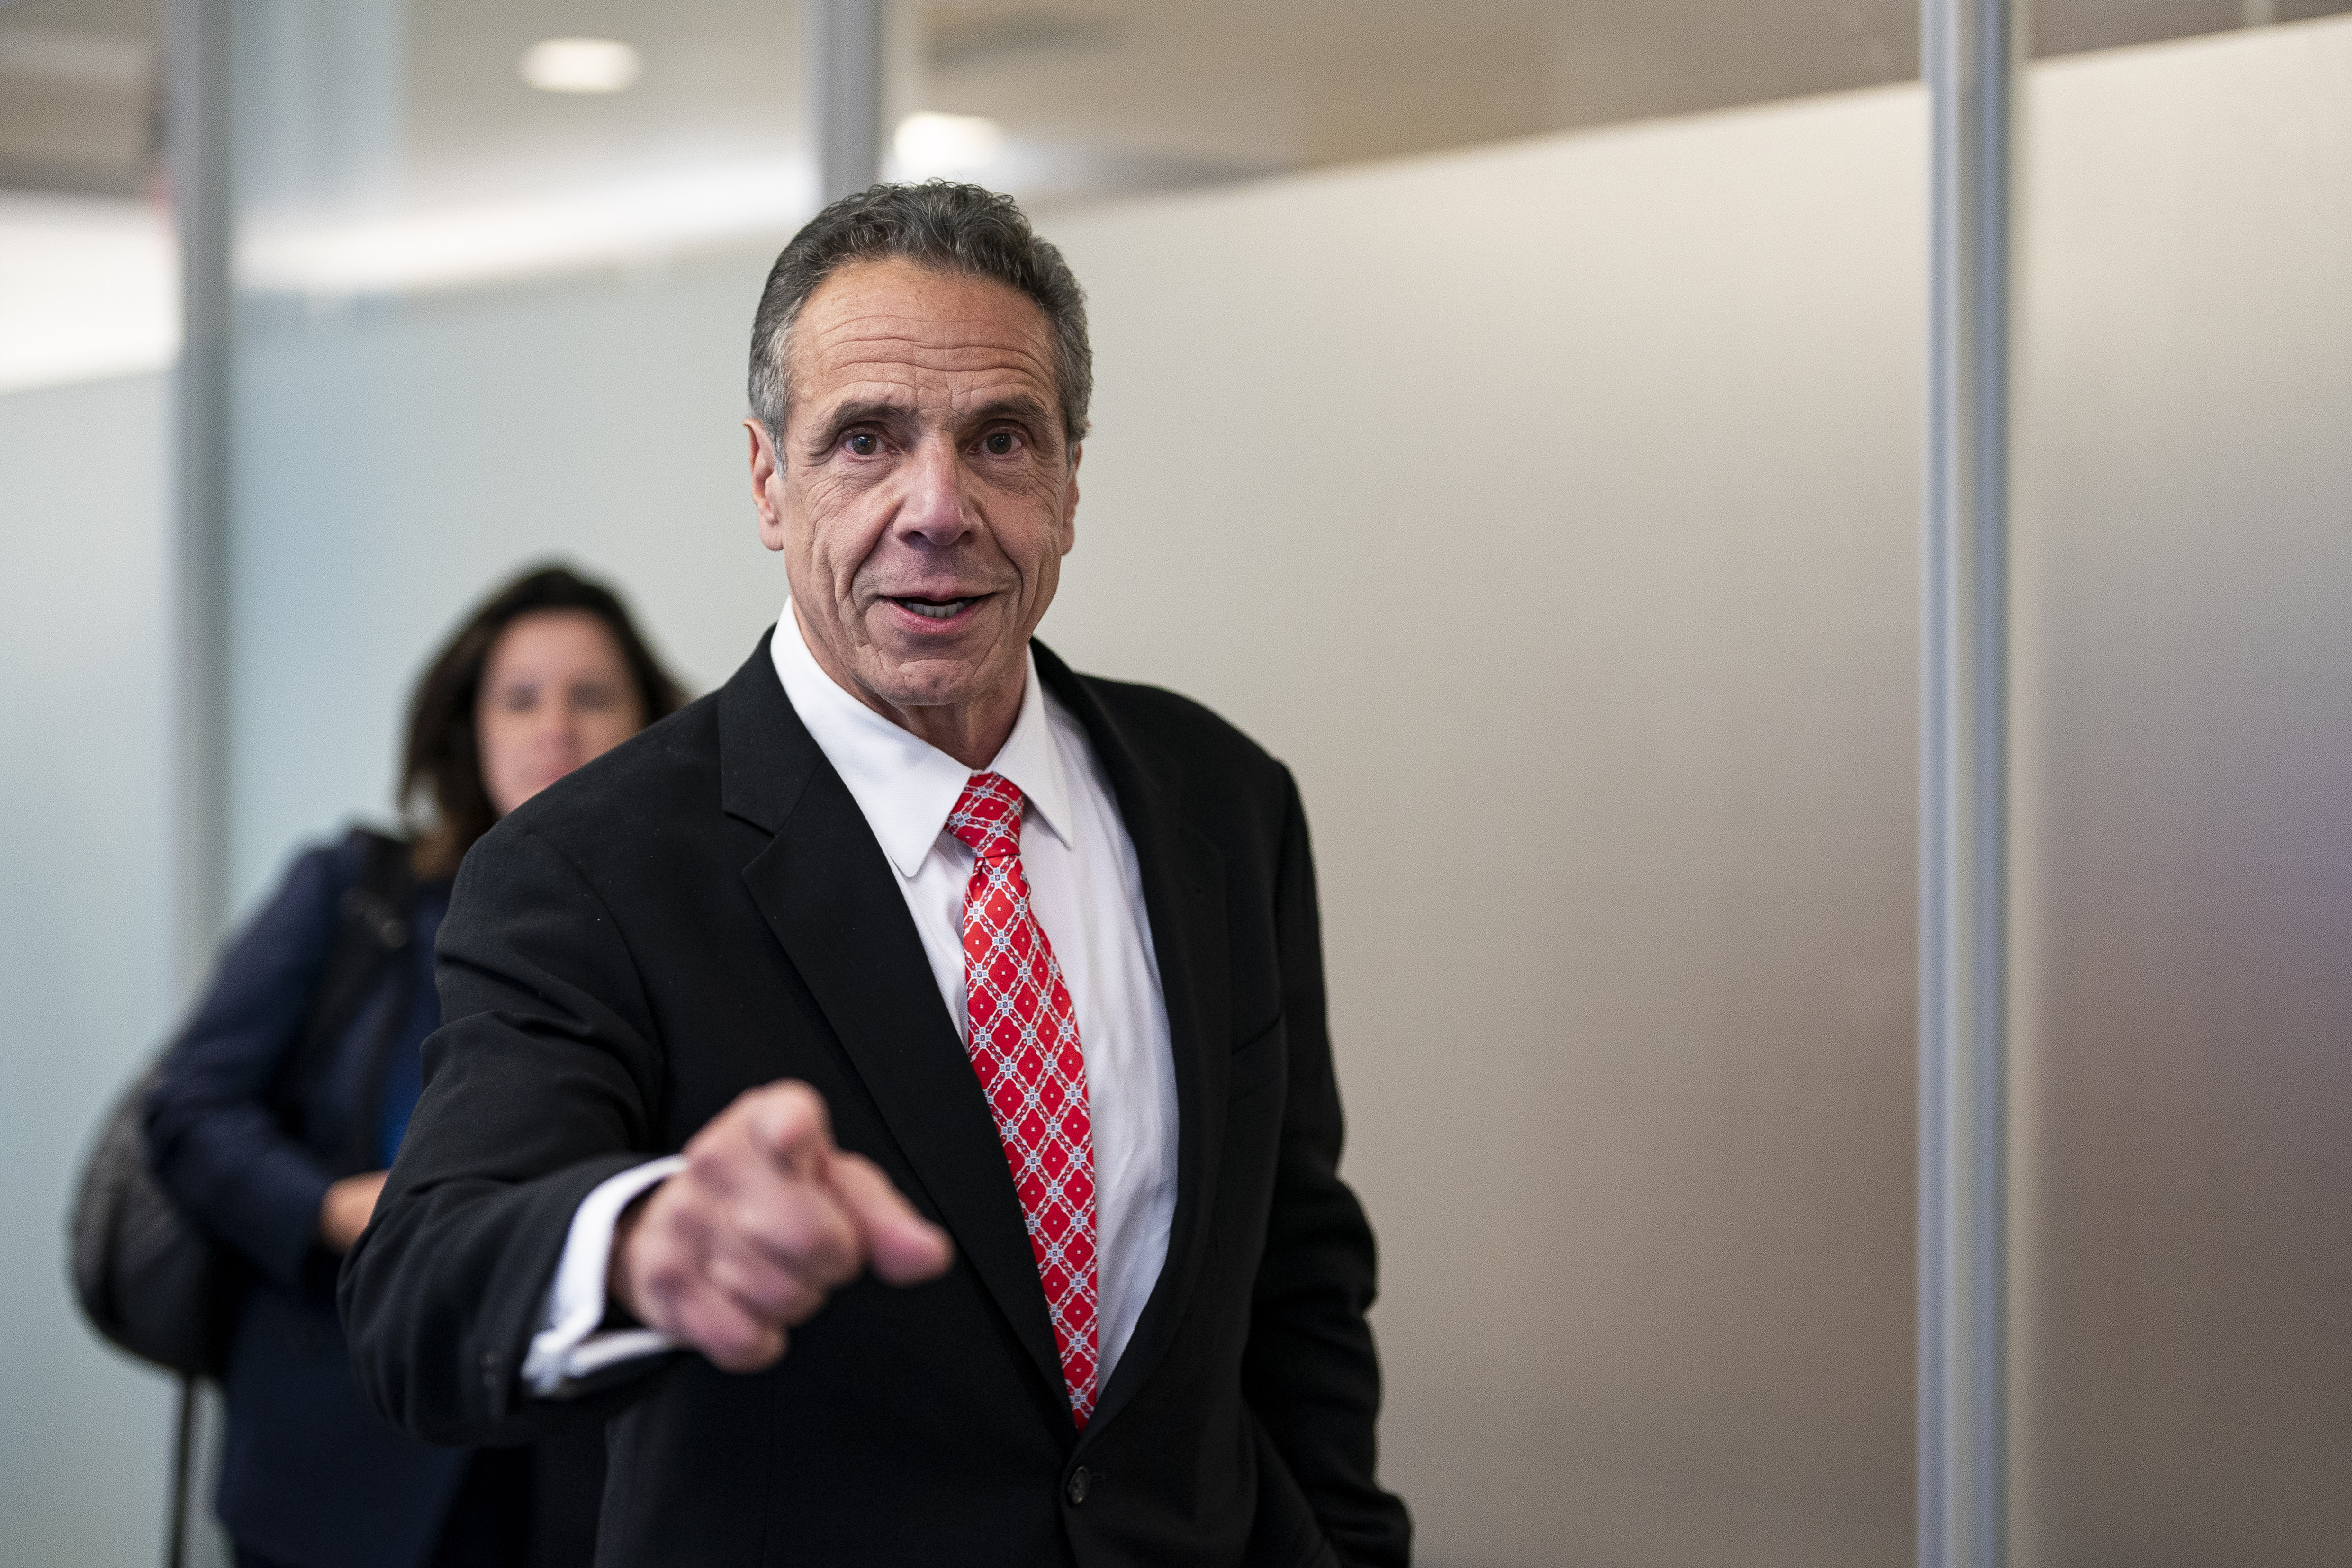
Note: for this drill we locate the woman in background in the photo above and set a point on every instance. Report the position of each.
(277, 1109)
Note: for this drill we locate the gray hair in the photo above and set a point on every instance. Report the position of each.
(951, 227)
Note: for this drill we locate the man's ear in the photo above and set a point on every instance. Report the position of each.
(767, 484)
(1070, 501)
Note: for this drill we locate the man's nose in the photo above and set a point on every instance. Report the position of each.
(932, 506)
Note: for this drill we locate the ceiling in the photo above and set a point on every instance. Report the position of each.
(78, 95)
(417, 104)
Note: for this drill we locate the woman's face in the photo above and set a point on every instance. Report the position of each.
(555, 692)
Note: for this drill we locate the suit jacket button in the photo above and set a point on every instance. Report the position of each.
(1076, 1490)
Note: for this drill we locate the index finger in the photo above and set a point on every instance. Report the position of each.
(903, 1247)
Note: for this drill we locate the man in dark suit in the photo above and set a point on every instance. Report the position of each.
(894, 1092)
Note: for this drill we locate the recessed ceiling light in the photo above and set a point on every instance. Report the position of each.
(581, 64)
(930, 144)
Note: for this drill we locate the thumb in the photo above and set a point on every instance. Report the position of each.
(904, 1248)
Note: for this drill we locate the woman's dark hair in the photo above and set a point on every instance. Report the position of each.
(441, 766)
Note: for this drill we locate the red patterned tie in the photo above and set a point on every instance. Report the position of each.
(1024, 1049)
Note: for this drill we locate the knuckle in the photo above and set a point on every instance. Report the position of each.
(746, 1281)
(784, 1235)
(663, 1278)
(676, 1235)
(709, 1162)
(816, 1237)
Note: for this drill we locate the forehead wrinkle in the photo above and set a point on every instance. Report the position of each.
(842, 351)
(889, 378)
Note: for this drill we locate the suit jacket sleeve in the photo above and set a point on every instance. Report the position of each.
(213, 1135)
(543, 1080)
(1310, 1372)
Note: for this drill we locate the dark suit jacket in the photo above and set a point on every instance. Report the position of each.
(705, 910)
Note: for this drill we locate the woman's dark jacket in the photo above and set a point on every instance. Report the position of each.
(310, 1475)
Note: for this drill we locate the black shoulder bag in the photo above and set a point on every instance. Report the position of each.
(151, 1280)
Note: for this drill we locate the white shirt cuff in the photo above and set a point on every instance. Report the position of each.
(569, 1348)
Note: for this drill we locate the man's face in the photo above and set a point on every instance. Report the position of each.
(924, 496)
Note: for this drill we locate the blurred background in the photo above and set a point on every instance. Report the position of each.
(1509, 412)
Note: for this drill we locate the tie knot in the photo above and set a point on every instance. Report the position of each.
(987, 815)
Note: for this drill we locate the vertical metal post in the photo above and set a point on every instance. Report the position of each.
(1967, 54)
(197, 153)
(844, 89)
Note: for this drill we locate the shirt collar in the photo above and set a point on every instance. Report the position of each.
(904, 785)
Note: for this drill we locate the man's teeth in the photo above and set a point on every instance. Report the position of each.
(937, 611)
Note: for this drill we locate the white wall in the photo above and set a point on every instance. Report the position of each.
(86, 945)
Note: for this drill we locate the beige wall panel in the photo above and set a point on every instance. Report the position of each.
(1552, 511)
(2183, 1077)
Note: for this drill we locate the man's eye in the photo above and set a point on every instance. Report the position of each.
(863, 444)
(998, 444)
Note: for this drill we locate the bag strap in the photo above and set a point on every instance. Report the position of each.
(374, 928)
(184, 1458)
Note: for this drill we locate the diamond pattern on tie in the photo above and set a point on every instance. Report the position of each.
(1024, 1044)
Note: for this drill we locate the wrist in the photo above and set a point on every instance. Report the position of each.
(620, 1299)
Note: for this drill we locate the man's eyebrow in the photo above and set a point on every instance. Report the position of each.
(1017, 405)
(867, 411)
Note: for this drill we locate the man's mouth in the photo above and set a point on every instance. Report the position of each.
(937, 609)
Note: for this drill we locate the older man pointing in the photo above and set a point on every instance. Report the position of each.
(894, 1092)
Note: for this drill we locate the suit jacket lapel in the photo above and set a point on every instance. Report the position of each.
(1184, 895)
(831, 898)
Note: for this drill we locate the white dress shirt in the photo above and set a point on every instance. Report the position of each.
(1086, 890)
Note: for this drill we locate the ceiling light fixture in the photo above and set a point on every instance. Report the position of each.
(929, 143)
(581, 64)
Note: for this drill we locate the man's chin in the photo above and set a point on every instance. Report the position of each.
(938, 677)
(929, 688)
